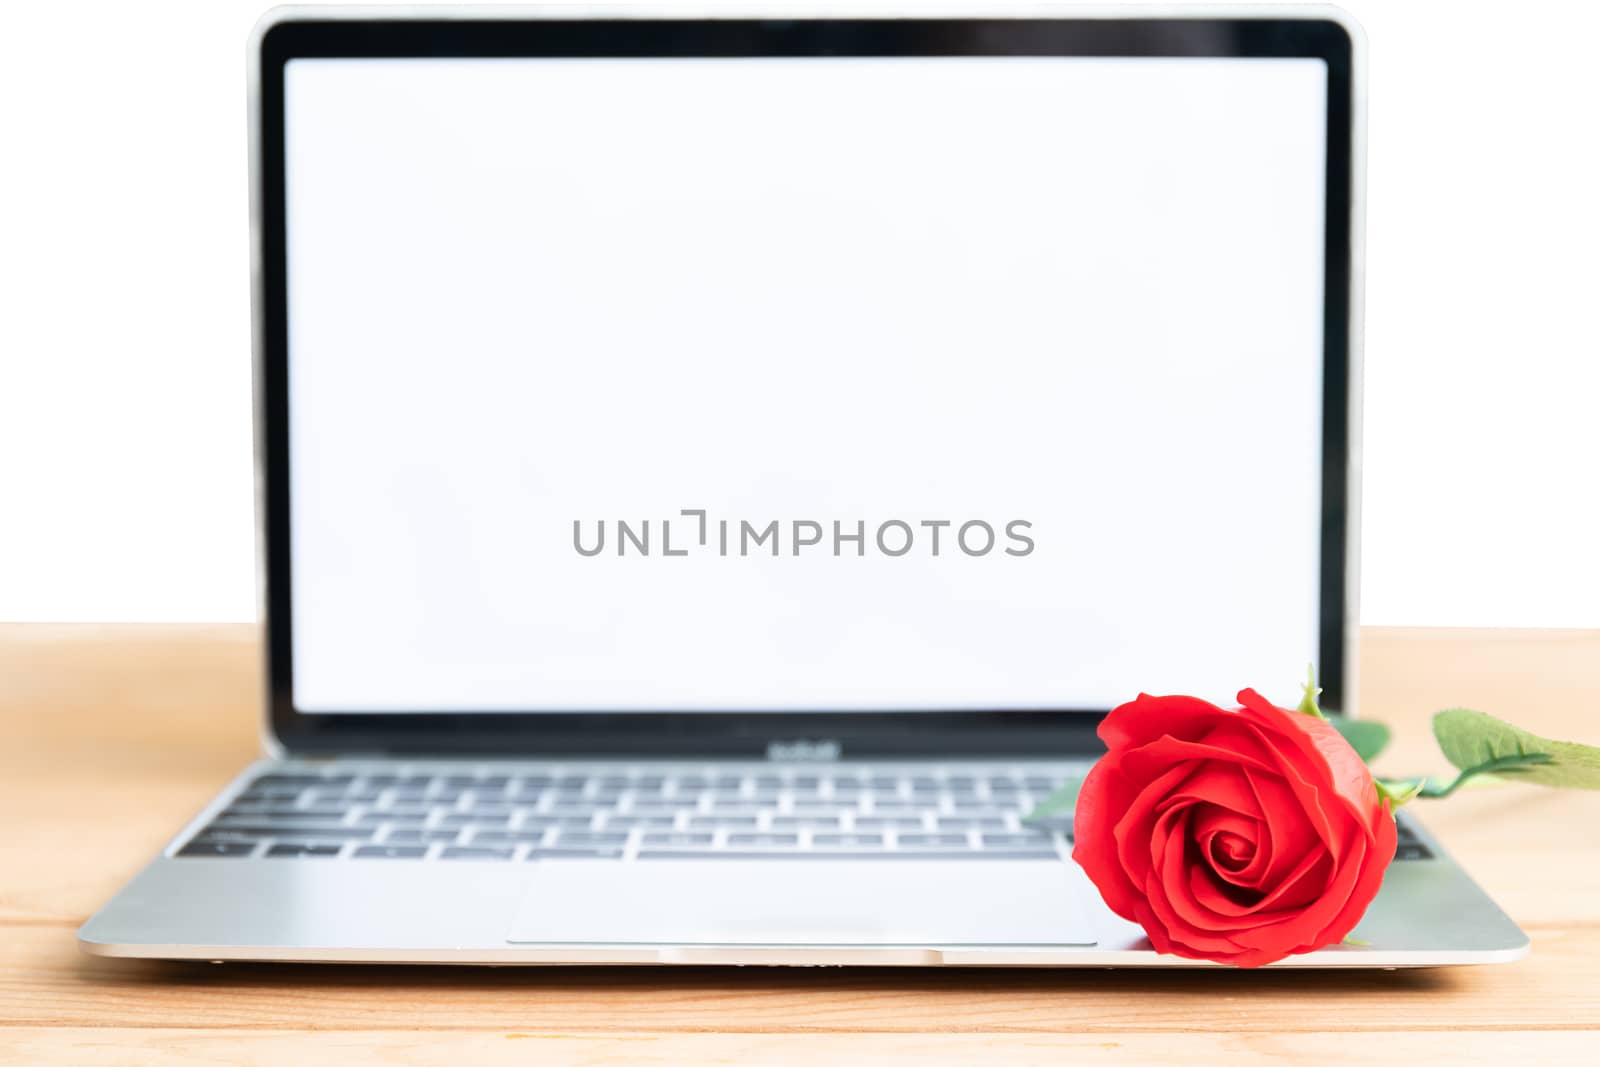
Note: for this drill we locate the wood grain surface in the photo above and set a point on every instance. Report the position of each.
(110, 737)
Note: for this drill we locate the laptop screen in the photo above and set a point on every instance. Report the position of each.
(822, 384)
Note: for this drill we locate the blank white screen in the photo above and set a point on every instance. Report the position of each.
(1086, 293)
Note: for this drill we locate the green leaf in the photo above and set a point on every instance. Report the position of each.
(1368, 738)
(1476, 743)
(1063, 799)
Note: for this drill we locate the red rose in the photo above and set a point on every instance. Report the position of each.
(1237, 836)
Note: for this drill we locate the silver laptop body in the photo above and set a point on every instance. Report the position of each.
(715, 473)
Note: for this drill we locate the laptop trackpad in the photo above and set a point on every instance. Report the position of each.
(802, 902)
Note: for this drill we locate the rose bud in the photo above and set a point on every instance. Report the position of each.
(1239, 836)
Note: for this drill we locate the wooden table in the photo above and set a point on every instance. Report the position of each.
(110, 737)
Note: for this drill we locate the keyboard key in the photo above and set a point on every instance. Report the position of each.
(974, 806)
(720, 822)
(736, 803)
(661, 804)
(640, 822)
(764, 840)
(804, 822)
(261, 807)
(567, 822)
(218, 848)
(682, 839)
(966, 822)
(898, 822)
(301, 849)
(1039, 841)
(410, 836)
(580, 839)
(915, 840)
(423, 810)
(606, 852)
(578, 805)
(279, 780)
(475, 853)
(488, 807)
(285, 795)
(503, 837)
(847, 840)
(821, 807)
(327, 833)
(475, 819)
(1413, 852)
(283, 817)
(390, 852)
(392, 818)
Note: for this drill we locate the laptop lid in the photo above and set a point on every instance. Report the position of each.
(803, 387)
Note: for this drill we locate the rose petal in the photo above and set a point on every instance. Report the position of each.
(1132, 832)
(1289, 835)
(1147, 717)
(1304, 929)
(1104, 797)
(1231, 844)
(1327, 756)
(1180, 927)
(1154, 756)
(1228, 913)
(1306, 882)
(1221, 784)
(1237, 734)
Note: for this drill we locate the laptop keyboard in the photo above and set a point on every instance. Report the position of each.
(643, 815)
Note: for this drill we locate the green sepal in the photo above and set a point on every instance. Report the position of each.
(1308, 702)
(1399, 791)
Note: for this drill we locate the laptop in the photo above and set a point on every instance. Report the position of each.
(715, 475)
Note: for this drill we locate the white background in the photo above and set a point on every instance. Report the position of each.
(1083, 293)
(125, 487)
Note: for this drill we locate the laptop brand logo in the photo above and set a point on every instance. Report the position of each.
(804, 751)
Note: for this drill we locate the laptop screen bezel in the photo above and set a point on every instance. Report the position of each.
(911, 733)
